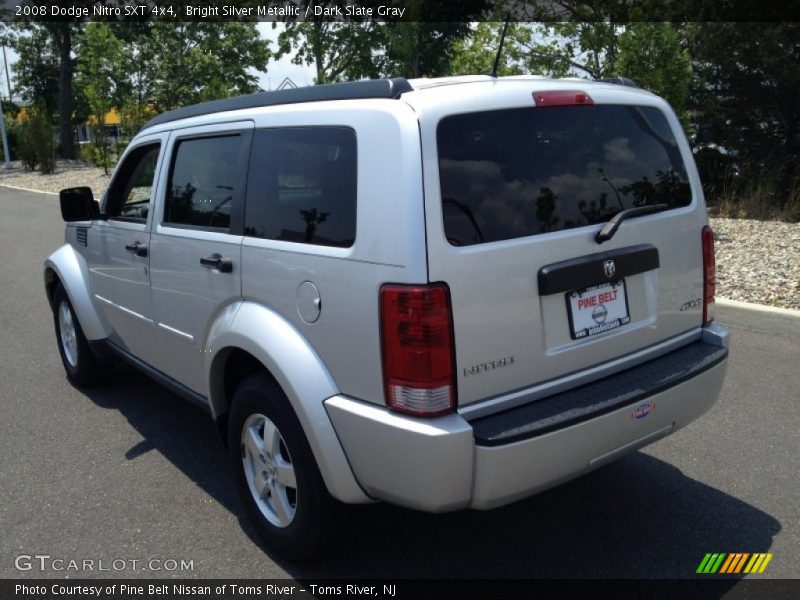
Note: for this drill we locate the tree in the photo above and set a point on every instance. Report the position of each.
(154, 66)
(746, 94)
(651, 54)
(420, 49)
(36, 140)
(50, 42)
(198, 61)
(36, 69)
(420, 44)
(475, 54)
(587, 49)
(337, 50)
(62, 35)
(101, 53)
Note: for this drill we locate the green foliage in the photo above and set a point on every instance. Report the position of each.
(101, 80)
(99, 155)
(86, 152)
(35, 141)
(651, 55)
(356, 49)
(746, 95)
(27, 148)
(12, 134)
(337, 50)
(195, 62)
(36, 69)
(588, 49)
(99, 74)
(420, 49)
(102, 146)
(133, 115)
(119, 148)
(475, 54)
(753, 192)
(45, 69)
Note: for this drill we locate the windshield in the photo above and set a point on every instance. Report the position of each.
(518, 172)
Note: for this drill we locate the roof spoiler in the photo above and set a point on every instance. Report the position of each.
(619, 81)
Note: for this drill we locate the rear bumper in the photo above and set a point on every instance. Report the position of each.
(449, 463)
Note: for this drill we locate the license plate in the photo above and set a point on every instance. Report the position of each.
(597, 309)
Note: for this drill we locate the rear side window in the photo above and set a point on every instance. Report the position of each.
(302, 186)
(518, 172)
(201, 182)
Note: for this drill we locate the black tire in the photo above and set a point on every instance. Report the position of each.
(82, 367)
(317, 515)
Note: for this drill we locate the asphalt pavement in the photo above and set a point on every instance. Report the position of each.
(130, 472)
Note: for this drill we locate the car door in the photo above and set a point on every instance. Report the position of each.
(196, 244)
(118, 248)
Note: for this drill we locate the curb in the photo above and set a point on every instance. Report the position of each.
(775, 310)
(23, 189)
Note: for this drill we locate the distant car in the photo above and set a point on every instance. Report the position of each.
(443, 294)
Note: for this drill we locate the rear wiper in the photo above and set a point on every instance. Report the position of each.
(610, 228)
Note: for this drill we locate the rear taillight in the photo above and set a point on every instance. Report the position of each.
(417, 347)
(709, 275)
(561, 98)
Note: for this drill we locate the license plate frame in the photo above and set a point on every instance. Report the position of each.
(583, 316)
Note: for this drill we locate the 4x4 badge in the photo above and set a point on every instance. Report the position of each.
(609, 268)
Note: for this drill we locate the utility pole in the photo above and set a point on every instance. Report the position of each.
(7, 164)
(8, 79)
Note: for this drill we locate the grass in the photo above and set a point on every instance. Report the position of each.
(752, 193)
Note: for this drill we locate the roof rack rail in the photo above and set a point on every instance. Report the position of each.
(371, 88)
(619, 81)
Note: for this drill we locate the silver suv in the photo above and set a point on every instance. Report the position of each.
(443, 294)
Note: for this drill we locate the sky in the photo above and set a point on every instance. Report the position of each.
(278, 70)
(302, 75)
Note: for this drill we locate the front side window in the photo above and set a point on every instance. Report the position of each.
(302, 186)
(511, 173)
(201, 182)
(131, 192)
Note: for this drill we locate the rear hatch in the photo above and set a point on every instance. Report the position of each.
(520, 176)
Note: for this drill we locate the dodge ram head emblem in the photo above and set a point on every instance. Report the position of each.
(609, 268)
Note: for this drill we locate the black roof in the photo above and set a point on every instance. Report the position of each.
(371, 88)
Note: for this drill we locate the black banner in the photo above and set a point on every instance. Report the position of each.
(399, 589)
(621, 11)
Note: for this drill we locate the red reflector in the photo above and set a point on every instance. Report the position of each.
(709, 275)
(561, 98)
(417, 348)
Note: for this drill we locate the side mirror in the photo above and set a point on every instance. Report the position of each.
(78, 204)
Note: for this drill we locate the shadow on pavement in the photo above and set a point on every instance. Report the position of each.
(637, 518)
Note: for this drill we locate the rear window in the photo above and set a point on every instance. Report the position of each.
(512, 173)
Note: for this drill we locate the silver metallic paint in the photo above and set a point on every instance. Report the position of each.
(425, 464)
(434, 464)
(497, 309)
(300, 372)
(70, 267)
(504, 474)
